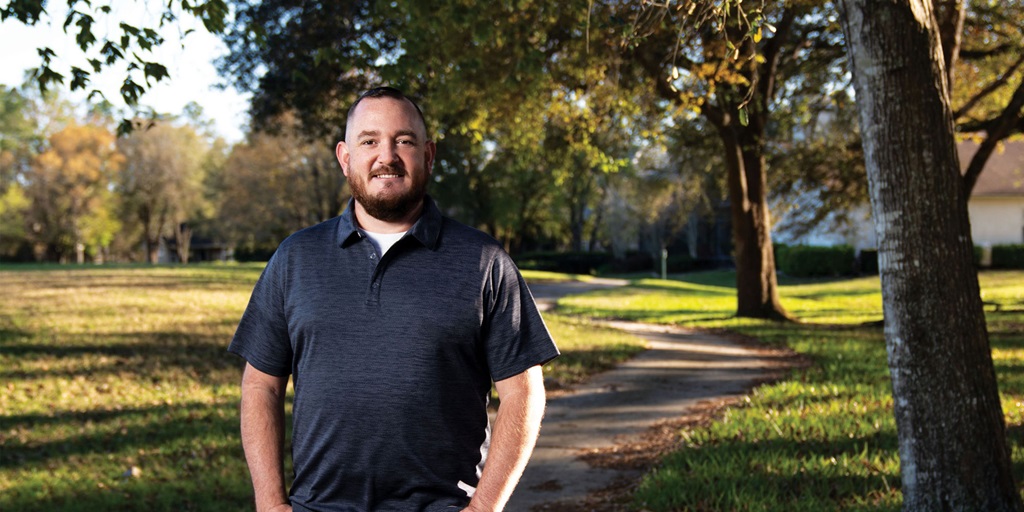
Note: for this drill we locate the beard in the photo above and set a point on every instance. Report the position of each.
(389, 205)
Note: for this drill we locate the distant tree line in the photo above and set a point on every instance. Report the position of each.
(74, 191)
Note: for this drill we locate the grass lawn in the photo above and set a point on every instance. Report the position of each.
(824, 439)
(118, 393)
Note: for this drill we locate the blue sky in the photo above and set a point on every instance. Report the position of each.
(193, 76)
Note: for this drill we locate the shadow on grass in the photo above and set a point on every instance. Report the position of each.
(772, 474)
(199, 488)
(190, 457)
(1015, 438)
(116, 431)
(155, 355)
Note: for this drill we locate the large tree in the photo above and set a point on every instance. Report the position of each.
(69, 184)
(499, 82)
(952, 436)
(734, 67)
(161, 183)
(277, 183)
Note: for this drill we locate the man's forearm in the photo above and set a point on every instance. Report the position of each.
(514, 435)
(262, 415)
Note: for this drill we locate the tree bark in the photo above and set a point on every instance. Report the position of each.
(952, 434)
(183, 239)
(757, 288)
(951, 15)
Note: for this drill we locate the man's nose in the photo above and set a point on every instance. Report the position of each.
(388, 153)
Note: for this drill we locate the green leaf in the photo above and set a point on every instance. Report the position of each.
(111, 52)
(743, 116)
(79, 78)
(46, 76)
(125, 128)
(85, 37)
(131, 91)
(155, 70)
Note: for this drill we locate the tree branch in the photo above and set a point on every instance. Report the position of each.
(1003, 126)
(989, 89)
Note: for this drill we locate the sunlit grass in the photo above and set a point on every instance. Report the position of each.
(544, 276)
(118, 392)
(658, 301)
(825, 438)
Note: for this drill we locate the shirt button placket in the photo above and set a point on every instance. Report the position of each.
(374, 295)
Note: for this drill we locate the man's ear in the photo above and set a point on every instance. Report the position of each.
(429, 157)
(341, 151)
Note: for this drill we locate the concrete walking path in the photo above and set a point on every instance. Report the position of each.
(681, 369)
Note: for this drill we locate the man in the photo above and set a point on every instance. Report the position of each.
(392, 321)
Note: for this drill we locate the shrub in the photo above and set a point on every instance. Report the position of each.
(567, 262)
(633, 262)
(247, 254)
(868, 261)
(1010, 256)
(816, 261)
(780, 251)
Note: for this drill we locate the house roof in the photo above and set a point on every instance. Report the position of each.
(1004, 172)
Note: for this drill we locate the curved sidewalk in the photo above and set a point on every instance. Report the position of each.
(682, 369)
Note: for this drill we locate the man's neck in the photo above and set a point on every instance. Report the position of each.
(375, 225)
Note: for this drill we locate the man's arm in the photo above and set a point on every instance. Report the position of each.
(515, 433)
(262, 414)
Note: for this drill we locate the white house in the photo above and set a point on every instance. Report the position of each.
(996, 206)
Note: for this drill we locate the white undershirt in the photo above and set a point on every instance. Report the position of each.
(383, 241)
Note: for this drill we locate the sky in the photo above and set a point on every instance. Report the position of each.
(193, 76)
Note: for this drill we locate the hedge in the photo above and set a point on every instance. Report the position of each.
(568, 262)
(1009, 256)
(815, 261)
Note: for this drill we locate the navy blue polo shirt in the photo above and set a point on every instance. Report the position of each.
(391, 357)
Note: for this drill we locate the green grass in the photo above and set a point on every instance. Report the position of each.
(544, 276)
(825, 438)
(117, 393)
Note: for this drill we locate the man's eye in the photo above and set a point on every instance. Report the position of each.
(405, 141)
(368, 142)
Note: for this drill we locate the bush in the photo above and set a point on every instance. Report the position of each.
(780, 252)
(634, 262)
(1009, 256)
(816, 261)
(247, 254)
(867, 261)
(567, 262)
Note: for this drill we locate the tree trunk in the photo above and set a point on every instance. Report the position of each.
(951, 15)
(183, 241)
(757, 288)
(952, 437)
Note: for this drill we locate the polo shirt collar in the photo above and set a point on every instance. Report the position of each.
(427, 228)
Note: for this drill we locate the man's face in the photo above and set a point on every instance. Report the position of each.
(386, 157)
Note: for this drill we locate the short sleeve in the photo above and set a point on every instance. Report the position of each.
(515, 336)
(262, 334)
